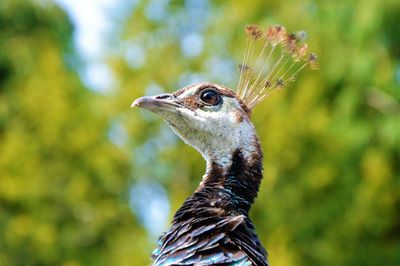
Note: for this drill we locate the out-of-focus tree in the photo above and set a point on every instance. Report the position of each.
(63, 196)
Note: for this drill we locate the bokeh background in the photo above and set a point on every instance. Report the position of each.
(85, 180)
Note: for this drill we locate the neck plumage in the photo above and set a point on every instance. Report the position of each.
(238, 174)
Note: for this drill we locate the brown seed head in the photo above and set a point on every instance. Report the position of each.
(276, 34)
(291, 43)
(270, 33)
(313, 61)
(302, 51)
(281, 35)
(254, 32)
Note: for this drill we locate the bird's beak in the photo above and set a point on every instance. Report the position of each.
(161, 102)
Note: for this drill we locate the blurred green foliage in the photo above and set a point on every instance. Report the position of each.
(331, 194)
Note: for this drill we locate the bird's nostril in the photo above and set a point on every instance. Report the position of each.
(164, 96)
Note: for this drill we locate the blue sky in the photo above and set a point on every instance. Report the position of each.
(94, 22)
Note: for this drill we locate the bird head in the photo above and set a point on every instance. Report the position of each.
(209, 117)
(216, 120)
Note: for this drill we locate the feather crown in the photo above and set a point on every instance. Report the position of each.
(281, 56)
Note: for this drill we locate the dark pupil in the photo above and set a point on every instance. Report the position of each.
(210, 97)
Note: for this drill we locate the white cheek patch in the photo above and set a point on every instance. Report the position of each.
(216, 134)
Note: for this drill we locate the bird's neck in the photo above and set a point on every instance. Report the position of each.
(237, 173)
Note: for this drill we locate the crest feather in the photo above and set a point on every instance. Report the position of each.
(281, 56)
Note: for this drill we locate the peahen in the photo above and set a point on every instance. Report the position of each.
(213, 226)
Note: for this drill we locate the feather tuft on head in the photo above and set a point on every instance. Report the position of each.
(281, 56)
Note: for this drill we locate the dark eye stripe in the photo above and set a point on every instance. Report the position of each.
(210, 97)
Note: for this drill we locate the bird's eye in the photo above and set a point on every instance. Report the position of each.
(210, 97)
